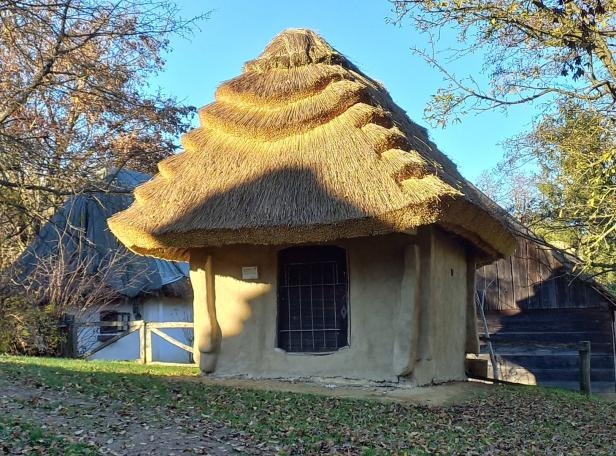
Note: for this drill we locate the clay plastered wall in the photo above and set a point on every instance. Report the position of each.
(447, 306)
(246, 312)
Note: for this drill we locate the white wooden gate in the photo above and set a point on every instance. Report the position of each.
(146, 330)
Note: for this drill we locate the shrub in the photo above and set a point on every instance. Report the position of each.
(27, 329)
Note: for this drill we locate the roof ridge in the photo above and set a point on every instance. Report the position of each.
(291, 48)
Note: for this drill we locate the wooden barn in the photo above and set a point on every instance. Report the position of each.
(538, 309)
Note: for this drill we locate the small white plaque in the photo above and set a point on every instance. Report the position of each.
(250, 272)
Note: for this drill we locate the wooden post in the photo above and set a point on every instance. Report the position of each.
(74, 338)
(584, 351)
(425, 239)
(148, 342)
(67, 345)
(142, 343)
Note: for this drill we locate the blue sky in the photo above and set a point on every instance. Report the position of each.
(238, 30)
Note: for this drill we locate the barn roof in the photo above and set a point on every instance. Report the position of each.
(78, 230)
(303, 147)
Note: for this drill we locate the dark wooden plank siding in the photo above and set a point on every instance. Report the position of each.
(534, 278)
(505, 281)
(520, 263)
(488, 284)
(538, 309)
(564, 292)
(543, 343)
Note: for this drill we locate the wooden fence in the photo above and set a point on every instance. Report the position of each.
(146, 330)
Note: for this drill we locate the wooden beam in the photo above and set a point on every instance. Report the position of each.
(108, 342)
(98, 324)
(170, 324)
(148, 343)
(142, 357)
(171, 340)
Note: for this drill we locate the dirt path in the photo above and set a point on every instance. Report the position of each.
(445, 394)
(122, 429)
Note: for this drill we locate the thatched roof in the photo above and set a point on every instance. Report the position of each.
(302, 147)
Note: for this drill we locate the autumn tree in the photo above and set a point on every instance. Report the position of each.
(513, 188)
(534, 50)
(575, 150)
(75, 99)
(558, 55)
(74, 278)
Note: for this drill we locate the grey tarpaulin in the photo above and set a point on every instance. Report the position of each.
(79, 229)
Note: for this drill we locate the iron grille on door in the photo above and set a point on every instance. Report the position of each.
(312, 299)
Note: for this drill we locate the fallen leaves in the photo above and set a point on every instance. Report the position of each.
(124, 413)
(21, 437)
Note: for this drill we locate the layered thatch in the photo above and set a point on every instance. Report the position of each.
(302, 147)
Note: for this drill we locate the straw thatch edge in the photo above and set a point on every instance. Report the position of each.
(455, 215)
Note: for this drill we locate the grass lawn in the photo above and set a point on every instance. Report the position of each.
(57, 406)
(19, 437)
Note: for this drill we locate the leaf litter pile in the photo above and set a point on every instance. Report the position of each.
(54, 406)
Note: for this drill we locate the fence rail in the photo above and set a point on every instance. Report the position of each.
(145, 328)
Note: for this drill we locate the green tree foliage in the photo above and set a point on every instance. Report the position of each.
(575, 149)
(533, 50)
(560, 56)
